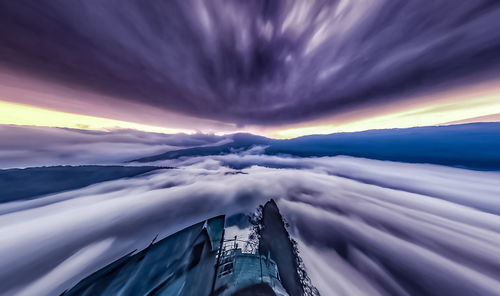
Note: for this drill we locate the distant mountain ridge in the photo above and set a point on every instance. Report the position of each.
(472, 145)
(30, 183)
(240, 141)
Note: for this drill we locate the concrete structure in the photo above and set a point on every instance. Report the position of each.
(240, 271)
(191, 262)
(182, 264)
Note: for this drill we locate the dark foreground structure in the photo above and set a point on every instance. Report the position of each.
(198, 261)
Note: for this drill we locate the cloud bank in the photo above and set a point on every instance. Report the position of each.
(364, 227)
(23, 146)
(263, 62)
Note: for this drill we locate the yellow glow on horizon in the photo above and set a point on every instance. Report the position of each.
(20, 114)
(437, 113)
(462, 105)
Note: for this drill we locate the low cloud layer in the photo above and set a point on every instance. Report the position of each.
(263, 62)
(364, 227)
(23, 146)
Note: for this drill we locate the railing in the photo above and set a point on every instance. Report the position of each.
(228, 251)
(250, 247)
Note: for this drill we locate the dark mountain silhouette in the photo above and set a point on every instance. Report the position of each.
(29, 183)
(239, 142)
(474, 145)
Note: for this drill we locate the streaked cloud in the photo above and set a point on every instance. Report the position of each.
(25, 146)
(253, 63)
(463, 105)
(363, 226)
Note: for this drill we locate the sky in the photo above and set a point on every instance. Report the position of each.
(281, 69)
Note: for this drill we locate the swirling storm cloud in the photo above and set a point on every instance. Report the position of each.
(252, 62)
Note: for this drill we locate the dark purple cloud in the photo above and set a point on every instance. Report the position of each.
(264, 62)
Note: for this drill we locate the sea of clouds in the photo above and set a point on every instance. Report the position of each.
(28, 146)
(364, 227)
